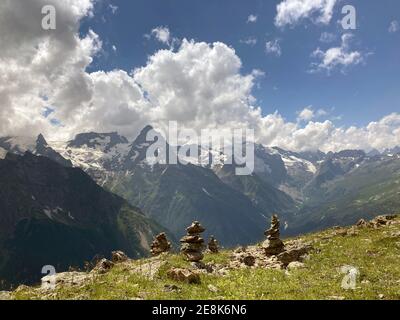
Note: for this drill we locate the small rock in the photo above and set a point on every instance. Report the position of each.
(171, 288)
(381, 296)
(103, 266)
(240, 250)
(362, 223)
(248, 260)
(203, 266)
(213, 245)
(212, 288)
(352, 232)
(294, 254)
(296, 265)
(395, 234)
(195, 228)
(184, 275)
(118, 257)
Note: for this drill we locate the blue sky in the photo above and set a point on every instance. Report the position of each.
(356, 96)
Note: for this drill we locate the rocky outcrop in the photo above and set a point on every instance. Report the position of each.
(160, 245)
(193, 244)
(377, 222)
(273, 245)
(103, 266)
(273, 253)
(118, 256)
(66, 279)
(213, 245)
(184, 275)
(294, 253)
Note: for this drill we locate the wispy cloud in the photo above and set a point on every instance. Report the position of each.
(273, 47)
(327, 37)
(113, 8)
(163, 35)
(394, 26)
(252, 18)
(251, 41)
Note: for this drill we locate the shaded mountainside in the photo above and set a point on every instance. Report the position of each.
(55, 215)
(176, 195)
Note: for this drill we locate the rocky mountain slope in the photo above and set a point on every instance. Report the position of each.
(56, 215)
(307, 189)
(175, 195)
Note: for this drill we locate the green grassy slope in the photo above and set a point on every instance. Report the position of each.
(374, 252)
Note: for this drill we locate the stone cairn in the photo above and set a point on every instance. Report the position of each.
(213, 245)
(160, 245)
(273, 245)
(193, 243)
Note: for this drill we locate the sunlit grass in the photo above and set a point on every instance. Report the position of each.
(376, 254)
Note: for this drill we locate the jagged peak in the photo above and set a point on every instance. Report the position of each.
(41, 140)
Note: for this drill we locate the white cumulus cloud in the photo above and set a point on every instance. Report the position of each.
(201, 85)
(338, 57)
(306, 114)
(291, 12)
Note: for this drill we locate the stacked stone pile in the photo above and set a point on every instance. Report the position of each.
(160, 245)
(273, 245)
(192, 243)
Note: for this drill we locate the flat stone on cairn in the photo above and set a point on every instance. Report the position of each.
(213, 245)
(192, 243)
(273, 245)
(160, 244)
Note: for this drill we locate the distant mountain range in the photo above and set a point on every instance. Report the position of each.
(308, 190)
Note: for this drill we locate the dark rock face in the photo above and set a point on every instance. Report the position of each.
(39, 147)
(55, 215)
(43, 149)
